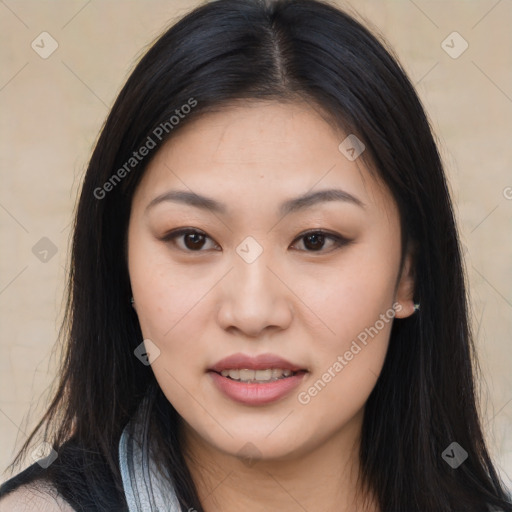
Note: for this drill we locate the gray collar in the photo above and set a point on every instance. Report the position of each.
(145, 488)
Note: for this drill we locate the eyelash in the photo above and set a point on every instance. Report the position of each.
(337, 239)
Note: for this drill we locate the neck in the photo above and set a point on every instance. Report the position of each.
(325, 478)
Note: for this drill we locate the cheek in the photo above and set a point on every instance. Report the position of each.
(351, 296)
(350, 356)
(356, 305)
(171, 312)
(166, 293)
(174, 310)
(346, 365)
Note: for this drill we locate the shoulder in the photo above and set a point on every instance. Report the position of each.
(80, 479)
(34, 497)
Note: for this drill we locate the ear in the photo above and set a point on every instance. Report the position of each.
(404, 294)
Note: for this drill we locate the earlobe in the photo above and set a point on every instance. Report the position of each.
(404, 296)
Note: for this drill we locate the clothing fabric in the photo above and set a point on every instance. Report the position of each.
(78, 475)
(84, 480)
(146, 489)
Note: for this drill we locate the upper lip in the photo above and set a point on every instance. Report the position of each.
(259, 362)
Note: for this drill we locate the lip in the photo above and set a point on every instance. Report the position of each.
(252, 393)
(259, 362)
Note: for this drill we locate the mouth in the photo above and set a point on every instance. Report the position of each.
(249, 376)
(256, 380)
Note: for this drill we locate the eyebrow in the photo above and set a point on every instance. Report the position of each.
(291, 205)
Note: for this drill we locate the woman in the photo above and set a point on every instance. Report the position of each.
(267, 303)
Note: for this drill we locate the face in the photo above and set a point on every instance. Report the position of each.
(293, 297)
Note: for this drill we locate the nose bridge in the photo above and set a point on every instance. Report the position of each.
(254, 298)
(253, 279)
(252, 257)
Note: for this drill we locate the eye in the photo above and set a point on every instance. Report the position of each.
(193, 239)
(314, 241)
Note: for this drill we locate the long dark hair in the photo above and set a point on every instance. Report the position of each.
(284, 50)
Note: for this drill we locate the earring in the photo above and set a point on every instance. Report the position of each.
(132, 302)
(416, 307)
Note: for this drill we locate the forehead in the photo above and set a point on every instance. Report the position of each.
(259, 150)
(259, 132)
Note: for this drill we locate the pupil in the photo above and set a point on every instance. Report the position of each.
(195, 239)
(317, 240)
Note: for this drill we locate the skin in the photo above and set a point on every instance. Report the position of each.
(304, 305)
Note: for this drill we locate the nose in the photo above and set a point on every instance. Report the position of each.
(255, 298)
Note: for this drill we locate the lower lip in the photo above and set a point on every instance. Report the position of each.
(250, 393)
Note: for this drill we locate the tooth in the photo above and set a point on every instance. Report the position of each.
(263, 374)
(247, 374)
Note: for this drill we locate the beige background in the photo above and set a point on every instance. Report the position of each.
(52, 110)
